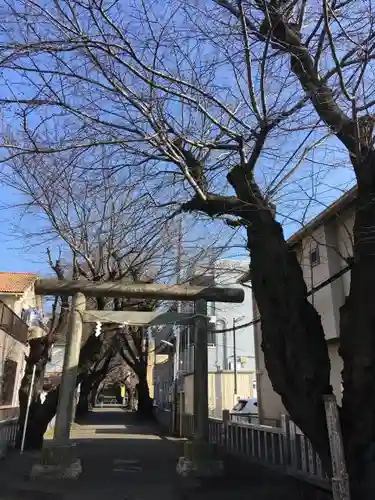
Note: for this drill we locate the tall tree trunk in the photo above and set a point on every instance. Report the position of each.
(94, 394)
(145, 406)
(293, 340)
(42, 414)
(357, 328)
(130, 394)
(357, 345)
(38, 357)
(83, 401)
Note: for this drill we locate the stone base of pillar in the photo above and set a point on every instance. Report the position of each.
(200, 460)
(57, 462)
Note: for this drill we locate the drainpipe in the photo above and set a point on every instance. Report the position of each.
(311, 276)
(225, 351)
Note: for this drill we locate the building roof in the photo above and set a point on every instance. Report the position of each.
(16, 282)
(333, 210)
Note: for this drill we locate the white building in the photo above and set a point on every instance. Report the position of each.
(16, 295)
(228, 342)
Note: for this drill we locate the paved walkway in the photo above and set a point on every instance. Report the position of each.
(121, 458)
(126, 460)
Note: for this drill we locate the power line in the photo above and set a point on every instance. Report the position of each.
(313, 290)
(309, 293)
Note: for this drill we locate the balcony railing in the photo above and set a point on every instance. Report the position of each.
(12, 324)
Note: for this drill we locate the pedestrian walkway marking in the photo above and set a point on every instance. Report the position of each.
(123, 465)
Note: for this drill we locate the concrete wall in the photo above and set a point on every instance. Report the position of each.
(334, 239)
(150, 367)
(162, 379)
(220, 391)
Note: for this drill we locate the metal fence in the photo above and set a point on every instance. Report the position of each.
(251, 418)
(8, 432)
(284, 448)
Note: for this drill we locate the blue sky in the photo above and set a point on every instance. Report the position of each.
(15, 254)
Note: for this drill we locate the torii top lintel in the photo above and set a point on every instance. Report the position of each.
(139, 290)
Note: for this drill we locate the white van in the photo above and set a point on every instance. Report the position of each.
(245, 406)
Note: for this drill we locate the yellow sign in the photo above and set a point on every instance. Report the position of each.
(122, 391)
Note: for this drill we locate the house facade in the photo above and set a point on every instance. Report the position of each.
(323, 247)
(228, 343)
(16, 295)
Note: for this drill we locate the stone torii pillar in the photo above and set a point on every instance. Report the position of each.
(64, 414)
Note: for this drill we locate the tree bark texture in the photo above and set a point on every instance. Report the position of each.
(145, 406)
(293, 341)
(41, 414)
(130, 392)
(357, 325)
(83, 405)
(357, 344)
(38, 357)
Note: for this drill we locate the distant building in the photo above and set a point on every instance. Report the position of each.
(226, 321)
(16, 295)
(17, 291)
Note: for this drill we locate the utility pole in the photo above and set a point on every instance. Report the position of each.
(177, 332)
(178, 281)
(69, 376)
(201, 373)
(235, 321)
(235, 356)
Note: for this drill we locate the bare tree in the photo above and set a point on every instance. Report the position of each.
(91, 381)
(134, 349)
(118, 376)
(239, 105)
(106, 231)
(37, 358)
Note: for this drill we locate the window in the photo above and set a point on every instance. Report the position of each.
(314, 257)
(186, 337)
(211, 334)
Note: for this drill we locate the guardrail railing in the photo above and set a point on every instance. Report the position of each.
(284, 448)
(8, 428)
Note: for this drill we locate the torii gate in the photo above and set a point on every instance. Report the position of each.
(80, 289)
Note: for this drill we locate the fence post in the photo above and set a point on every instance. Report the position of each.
(292, 429)
(285, 425)
(226, 419)
(340, 478)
